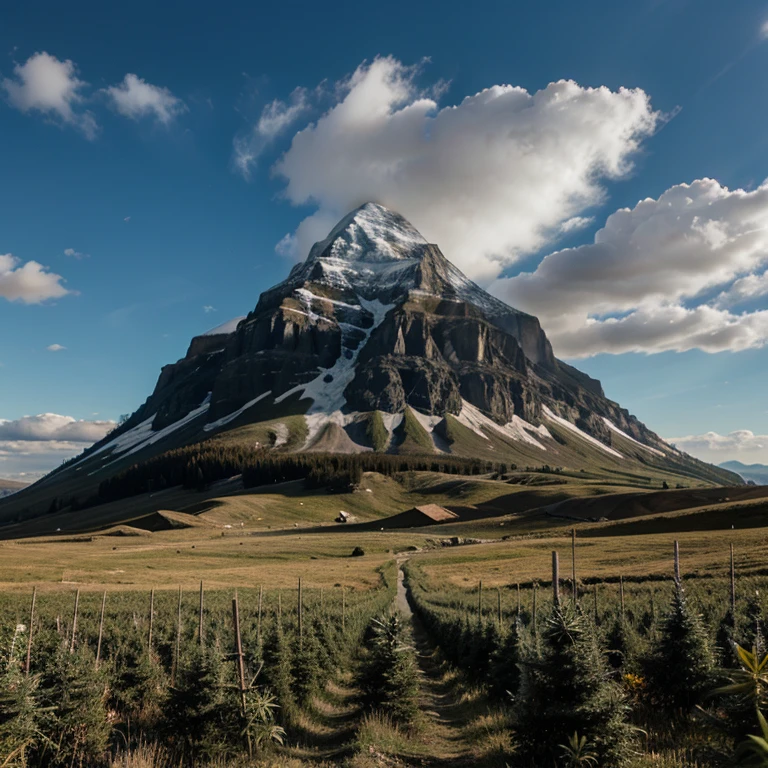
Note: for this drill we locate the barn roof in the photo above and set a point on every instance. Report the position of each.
(436, 512)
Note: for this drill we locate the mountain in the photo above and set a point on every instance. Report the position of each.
(7, 487)
(378, 341)
(757, 473)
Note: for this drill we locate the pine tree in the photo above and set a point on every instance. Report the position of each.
(306, 671)
(197, 716)
(20, 727)
(278, 672)
(74, 697)
(624, 646)
(751, 632)
(137, 684)
(566, 689)
(681, 665)
(505, 669)
(389, 680)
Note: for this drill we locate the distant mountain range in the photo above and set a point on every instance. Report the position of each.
(757, 473)
(378, 342)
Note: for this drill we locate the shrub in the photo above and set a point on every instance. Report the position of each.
(680, 667)
(389, 679)
(566, 689)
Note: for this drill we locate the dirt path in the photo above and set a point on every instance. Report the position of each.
(443, 734)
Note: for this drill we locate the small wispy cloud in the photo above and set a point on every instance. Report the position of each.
(55, 348)
(276, 117)
(51, 87)
(136, 98)
(208, 308)
(73, 254)
(127, 218)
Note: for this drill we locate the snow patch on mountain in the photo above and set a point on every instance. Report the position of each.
(142, 435)
(518, 429)
(573, 428)
(128, 439)
(224, 420)
(429, 422)
(161, 433)
(618, 431)
(225, 328)
(327, 389)
(281, 435)
(541, 430)
(307, 297)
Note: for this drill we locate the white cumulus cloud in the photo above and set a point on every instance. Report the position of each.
(645, 284)
(492, 178)
(73, 254)
(34, 445)
(52, 426)
(29, 283)
(47, 85)
(741, 444)
(136, 98)
(55, 348)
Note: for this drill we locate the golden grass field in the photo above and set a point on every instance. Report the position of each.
(272, 536)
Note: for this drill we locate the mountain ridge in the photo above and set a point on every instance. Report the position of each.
(377, 320)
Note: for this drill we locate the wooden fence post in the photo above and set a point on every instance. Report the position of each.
(177, 653)
(733, 588)
(29, 635)
(299, 610)
(519, 605)
(151, 620)
(677, 560)
(101, 628)
(241, 670)
(258, 620)
(200, 626)
(74, 622)
(556, 579)
(573, 564)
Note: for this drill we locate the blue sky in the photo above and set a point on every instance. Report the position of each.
(150, 145)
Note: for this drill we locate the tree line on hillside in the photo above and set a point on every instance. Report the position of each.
(197, 466)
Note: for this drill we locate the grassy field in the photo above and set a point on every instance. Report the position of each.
(231, 537)
(508, 527)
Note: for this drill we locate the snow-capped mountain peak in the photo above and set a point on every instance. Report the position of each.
(371, 233)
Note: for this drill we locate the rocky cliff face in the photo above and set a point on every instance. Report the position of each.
(443, 338)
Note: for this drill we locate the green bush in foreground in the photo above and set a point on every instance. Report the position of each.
(389, 679)
(566, 689)
(680, 667)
